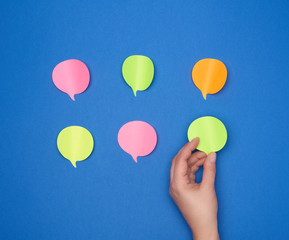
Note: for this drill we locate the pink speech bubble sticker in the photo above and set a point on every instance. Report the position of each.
(71, 76)
(137, 138)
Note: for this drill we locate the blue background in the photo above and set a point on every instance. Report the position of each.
(109, 196)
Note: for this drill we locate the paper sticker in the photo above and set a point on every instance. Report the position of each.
(212, 134)
(209, 75)
(138, 72)
(137, 138)
(71, 76)
(75, 143)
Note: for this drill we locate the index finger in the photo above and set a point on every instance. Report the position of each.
(181, 163)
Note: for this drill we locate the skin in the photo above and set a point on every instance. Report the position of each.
(196, 201)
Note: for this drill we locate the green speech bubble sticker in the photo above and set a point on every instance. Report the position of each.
(75, 143)
(212, 134)
(138, 72)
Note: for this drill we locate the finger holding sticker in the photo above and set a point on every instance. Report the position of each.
(137, 138)
(212, 134)
(71, 76)
(75, 143)
(138, 72)
(209, 75)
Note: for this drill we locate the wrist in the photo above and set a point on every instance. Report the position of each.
(207, 233)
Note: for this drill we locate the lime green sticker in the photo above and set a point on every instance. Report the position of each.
(212, 134)
(75, 143)
(138, 72)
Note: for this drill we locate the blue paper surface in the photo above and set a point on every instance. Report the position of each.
(109, 196)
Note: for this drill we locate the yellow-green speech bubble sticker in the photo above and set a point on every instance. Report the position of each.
(138, 72)
(75, 143)
(212, 134)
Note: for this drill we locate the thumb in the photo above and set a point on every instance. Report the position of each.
(209, 171)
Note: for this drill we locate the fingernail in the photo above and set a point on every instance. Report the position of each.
(212, 157)
(195, 138)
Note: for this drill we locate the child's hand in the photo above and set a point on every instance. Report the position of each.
(197, 202)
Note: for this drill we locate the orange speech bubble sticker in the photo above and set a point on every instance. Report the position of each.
(209, 75)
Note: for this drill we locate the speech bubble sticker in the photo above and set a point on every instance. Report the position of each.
(137, 138)
(209, 75)
(138, 72)
(212, 134)
(75, 143)
(71, 76)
